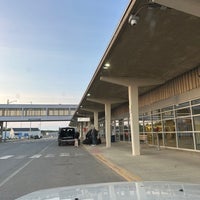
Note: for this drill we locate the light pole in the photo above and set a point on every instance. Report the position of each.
(30, 131)
(8, 102)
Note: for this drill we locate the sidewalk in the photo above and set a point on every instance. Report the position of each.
(151, 165)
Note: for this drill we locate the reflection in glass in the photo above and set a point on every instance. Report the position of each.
(183, 112)
(197, 138)
(149, 138)
(121, 129)
(196, 123)
(170, 139)
(196, 101)
(181, 105)
(147, 124)
(141, 124)
(156, 137)
(127, 136)
(168, 115)
(167, 108)
(157, 124)
(169, 125)
(196, 110)
(185, 140)
(184, 124)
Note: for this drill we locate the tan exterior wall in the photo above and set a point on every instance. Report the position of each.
(181, 84)
(177, 86)
(121, 111)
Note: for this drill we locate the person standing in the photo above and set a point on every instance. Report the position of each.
(94, 134)
(76, 138)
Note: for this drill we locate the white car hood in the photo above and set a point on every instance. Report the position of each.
(120, 191)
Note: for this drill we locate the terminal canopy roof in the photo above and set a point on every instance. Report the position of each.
(164, 44)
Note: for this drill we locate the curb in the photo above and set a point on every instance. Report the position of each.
(117, 169)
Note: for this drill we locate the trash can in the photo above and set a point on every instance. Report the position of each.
(112, 138)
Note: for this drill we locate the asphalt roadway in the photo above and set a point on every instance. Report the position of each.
(151, 165)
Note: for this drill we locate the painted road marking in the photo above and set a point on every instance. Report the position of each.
(119, 170)
(64, 154)
(39, 155)
(6, 157)
(20, 156)
(36, 156)
(49, 156)
(18, 170)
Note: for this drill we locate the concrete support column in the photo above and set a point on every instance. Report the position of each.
(133, 84)
(1, 130)
(84, 130)
(134, 119)
(107, 124)
(96, 119)
(80, 129)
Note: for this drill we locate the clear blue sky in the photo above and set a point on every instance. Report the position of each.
(49, 49)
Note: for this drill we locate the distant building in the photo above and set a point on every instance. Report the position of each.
(25, 132)
(7, 134)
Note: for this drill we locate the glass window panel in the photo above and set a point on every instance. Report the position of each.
(72, 112)
(155, 138)
(61, 112)
(27, 112)
(147, 124)
(184, 124)
(43, 112)
(167, 115)
(53, 112)
(141, 126)
(157, 124)
(121, 130)
(149, 138)
(169, 125)
(196, 120)
(156, 111)
(7, 112)
(196, 110)
(13, 112)
(66, 112)
(156, 117)
(167, 108)
(147, 113)
(117, 132)
(183, 112)
(181, 105)
(197, 138)
(185, 140)
(126, 130)
(196, 101)
(170, 139)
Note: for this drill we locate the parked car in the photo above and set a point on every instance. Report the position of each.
(66, 135)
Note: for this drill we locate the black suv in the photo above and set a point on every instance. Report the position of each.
(66, 135)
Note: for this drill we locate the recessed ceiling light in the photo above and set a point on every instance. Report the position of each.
(106, 66)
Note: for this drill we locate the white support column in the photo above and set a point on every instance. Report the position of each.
(134, 119)
(133, 84)
(107, 102)
(107, 124)
(96, 119)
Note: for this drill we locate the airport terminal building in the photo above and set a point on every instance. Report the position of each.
(146, 87)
